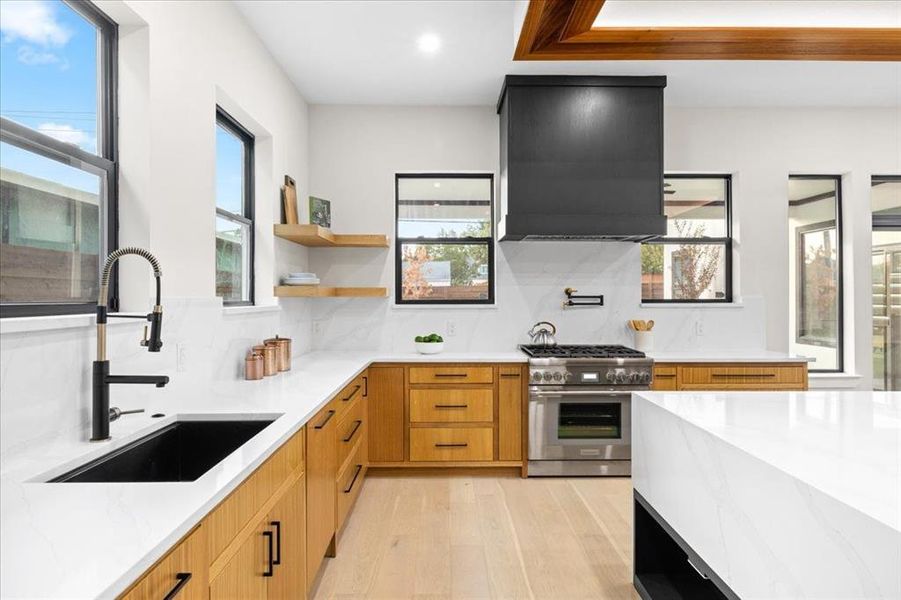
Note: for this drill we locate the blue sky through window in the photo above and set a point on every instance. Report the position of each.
(48, 81)
(229, 171)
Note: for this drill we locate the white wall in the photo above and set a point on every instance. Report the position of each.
(175, 66)
(358, 150)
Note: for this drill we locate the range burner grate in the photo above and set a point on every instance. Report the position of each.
(581, 351)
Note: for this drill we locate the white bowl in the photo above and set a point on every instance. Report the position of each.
(429, 347)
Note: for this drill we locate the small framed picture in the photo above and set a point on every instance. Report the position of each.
(320, 212)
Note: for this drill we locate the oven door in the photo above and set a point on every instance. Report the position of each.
(567, 424)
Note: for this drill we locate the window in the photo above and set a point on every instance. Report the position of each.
(885, 200)
(234, 211)
(693, 262)
(445, 241)
(814, 229)
(57, 156)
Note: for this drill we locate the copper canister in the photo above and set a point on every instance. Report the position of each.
(253, 366)
(284, 351)
(270, 359)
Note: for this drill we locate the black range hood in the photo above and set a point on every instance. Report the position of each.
(581, 158)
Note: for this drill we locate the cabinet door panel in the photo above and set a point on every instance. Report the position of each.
(451, 405)
(243, 578)
(386, 414)
(509, 413)
(289, 577)
(187, 558)
(322, 468)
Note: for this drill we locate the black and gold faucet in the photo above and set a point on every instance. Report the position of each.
(101, 411)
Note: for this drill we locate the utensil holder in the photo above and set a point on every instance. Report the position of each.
(644, 341)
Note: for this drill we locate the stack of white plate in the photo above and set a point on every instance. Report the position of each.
(300, 279)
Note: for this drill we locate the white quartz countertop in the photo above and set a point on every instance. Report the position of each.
(727, 356)
(89, 540)
(845, 444)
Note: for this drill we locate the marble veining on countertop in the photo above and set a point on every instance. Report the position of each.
(726, 356)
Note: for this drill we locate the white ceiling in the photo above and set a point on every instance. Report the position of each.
(365, 52)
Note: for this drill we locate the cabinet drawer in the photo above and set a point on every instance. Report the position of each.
(186, 567)
(665, 378)
(452, 374)
(350, 482)
(745, 377)
(451, 406)
(349, 397)
(351, 429)
(451, 444)
(233, 513)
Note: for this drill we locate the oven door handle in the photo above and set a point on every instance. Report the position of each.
(535, 394)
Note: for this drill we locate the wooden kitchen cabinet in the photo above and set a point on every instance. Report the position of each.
(322, 466)
(289, 578)
(452, 405)
(386, 414)
(451, 444)
(443, 374)
(243, 576)
(510, 408)
(183, 571)
(730, 376)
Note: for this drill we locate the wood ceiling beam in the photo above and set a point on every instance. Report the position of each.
(562, 30)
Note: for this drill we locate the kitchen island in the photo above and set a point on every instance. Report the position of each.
(767, 494)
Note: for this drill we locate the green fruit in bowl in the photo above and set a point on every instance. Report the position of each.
(420, 339)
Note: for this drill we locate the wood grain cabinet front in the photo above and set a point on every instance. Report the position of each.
(747, 376)
(182, 574)
(385, 412)
(322, 467)
(452, 405)
(451, 444)
(444, 374)
(510, 409)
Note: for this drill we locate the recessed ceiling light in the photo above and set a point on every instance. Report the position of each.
(429, 43)
(437, 184)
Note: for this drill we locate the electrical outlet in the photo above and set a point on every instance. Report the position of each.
(181, 357)
(451, 328)
(699, 328)
(317, 327)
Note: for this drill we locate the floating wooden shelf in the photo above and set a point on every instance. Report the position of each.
(314, 235)
(319, 291)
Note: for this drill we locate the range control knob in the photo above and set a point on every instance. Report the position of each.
(568, 376)
(536, 376)
(645, 377)
(635, 377)
(548, 376)
(611, 376)
(558, 376)
(621, 377)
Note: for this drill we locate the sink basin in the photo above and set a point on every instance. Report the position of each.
(182, 451)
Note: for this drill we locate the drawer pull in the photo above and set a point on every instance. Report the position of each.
(460, 445)
(353, 432)
(365, 385)
(327, 418)
(451, 375)
(509, 374)
(451, 406)
(692, 565)
(182, 580)
(352, 394)
(269, 564)
(664, 375)
(354, 480)
(278, 542)
(743, 375)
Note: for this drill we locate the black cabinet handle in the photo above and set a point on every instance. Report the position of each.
(278, 542)
(353, 432)
(365, 385)
(451, 406)
(269, 566)
(352, 394)
(509, 374)
(327, 418)
(463, 445)
(354, 480)
(182, 580)
(451, 375)
(742, 375)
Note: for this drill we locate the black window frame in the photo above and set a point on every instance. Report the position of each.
(106, 161)
(230, 124)
(885, 221)
(725, 241)
(400, 241)
(840, 260)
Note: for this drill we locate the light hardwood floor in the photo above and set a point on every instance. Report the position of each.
(484, 536)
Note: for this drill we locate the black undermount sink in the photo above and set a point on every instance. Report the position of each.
(182, 451)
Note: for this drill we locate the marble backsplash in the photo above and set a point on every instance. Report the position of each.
(45, 384)
(531, 277)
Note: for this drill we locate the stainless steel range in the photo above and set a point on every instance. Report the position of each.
(580, 408)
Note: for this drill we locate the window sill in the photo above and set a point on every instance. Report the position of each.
(55, 322)
(831, 381)
(444, 306)
(691, 305)
(250, 310)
